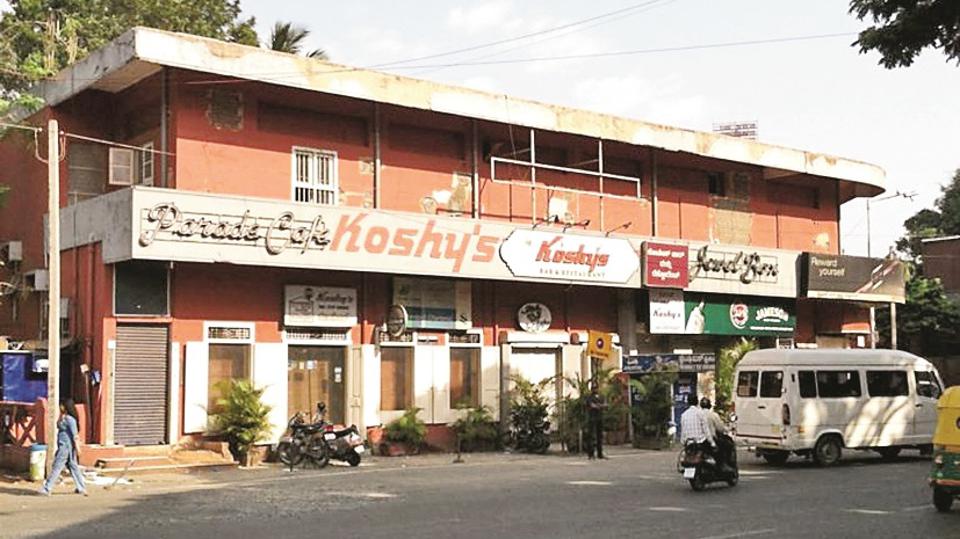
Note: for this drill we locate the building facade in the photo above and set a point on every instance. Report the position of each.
(378, 242)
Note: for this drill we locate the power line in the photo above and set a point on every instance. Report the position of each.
(520, 37)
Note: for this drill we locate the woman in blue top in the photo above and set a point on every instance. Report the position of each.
(68, 450)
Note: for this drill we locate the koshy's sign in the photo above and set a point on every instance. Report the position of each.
(853, 278)
(569, 257)
(319, 306)
(665, 265)
(674, 312)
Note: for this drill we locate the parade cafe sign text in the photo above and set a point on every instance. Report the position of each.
(203, 228)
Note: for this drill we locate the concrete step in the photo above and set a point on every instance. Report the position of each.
(166, 468)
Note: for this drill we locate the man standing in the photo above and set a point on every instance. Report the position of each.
(595, 407)
(694, 425)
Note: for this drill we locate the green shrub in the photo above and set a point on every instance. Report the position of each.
(573, 417)
(477, 430)
(241, 416)
(407, 429)
(726, 366)
(653, 409)
(528, 414)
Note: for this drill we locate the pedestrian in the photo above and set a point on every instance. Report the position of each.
(68, 450)
(595, 406)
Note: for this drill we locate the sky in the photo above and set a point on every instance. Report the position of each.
(819, 95)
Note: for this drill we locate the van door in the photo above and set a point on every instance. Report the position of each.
(751, 418)
(926, 392)
(770, 402)
(886, 419)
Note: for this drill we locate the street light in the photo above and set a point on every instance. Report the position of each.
(893, 306)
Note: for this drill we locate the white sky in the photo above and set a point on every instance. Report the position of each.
(817, 95)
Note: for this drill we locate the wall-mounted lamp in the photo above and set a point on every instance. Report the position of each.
(583, 224)
(554, 219)
(621, 227)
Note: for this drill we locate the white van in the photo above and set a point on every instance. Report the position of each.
(817, 402)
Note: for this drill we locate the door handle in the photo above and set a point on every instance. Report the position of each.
(762, 407)
(919, 405)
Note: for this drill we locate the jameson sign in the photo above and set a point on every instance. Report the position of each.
(724, 315)
(853, 278)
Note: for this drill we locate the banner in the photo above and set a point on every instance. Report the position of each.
(665, 265)
(853, 278)
(646, 363)
(705, 314)
(434, 303)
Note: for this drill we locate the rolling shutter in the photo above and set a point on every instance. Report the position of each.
(141, 372)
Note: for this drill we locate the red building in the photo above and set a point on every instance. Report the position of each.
(259, 213)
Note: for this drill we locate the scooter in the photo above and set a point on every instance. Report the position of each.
(344, 444)
(698, 465)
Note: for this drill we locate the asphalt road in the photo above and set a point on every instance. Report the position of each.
(633, 494)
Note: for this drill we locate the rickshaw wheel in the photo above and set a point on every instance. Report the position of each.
(942, 499)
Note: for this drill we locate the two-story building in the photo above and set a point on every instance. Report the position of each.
(380, 242)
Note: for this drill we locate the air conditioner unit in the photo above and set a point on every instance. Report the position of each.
(38, 280)
(13, 251)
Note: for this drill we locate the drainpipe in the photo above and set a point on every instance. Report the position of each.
(376, 155)
(164, 125)
(475, 170)
(654, 178)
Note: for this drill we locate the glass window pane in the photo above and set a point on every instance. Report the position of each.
(464, 377)
(808, 384)
(396, 378)
(747, 384)
(227, 362)
(887, 384)
(838, 384)
(927, 385)
(771, 384)
(141, 288)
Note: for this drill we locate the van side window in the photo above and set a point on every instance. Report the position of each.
(927, 385)
(747, 383)
(808, 385)
(771, 384)
(887, 384)
(838, 384)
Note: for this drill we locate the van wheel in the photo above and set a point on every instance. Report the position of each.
(828, 451)
(889, 453)
(942, 499)
(776, 458)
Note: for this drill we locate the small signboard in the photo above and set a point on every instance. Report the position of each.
(647, 363)
(600, 345)
(665, 265)
(319, 306)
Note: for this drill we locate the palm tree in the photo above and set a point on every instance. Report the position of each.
(288, 37)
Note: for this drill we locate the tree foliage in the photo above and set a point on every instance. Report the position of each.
(726, 366)
(289, 37)
(903, 28)
(942, 220)
(41, 37)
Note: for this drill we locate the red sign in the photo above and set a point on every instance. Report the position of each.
(665, 265)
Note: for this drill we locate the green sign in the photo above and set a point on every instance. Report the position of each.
(728, 315)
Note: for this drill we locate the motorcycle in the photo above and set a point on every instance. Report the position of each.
(305, 441)
(697, 462)
(344, 444)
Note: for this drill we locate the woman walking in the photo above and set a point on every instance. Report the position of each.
(68, 450)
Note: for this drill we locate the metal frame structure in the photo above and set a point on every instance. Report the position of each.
(534, 166)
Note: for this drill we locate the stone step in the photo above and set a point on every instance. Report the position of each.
(167, 468)
(133, 462)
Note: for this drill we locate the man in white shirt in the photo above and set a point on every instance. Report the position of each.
(694, 424)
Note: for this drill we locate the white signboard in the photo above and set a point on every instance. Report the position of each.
(319, 306)
(749, 271)
(666, 311)
(434, 303)
(569, 257)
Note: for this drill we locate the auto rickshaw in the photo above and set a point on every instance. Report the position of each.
(945, 475)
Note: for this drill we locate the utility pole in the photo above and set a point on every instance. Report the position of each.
(53, 293)
(893, 307)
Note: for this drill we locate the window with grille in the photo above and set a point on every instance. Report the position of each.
(315, 176)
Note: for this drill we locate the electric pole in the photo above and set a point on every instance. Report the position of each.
(53, 291)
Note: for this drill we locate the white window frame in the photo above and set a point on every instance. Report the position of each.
(333, 188)
(113, 167)
(221, 324)
(146, 159)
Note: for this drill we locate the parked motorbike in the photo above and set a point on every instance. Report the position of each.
(697, 463)
(305, 441)
(344, 444)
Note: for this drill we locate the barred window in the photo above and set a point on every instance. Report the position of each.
(315, 176)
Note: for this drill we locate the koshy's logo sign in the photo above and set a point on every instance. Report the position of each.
(665, 265)
(569, 257)
(349, 234)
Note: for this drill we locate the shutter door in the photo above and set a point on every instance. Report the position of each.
(140, 402)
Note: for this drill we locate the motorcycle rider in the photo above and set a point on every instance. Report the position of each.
(694, 424)
(724, 444)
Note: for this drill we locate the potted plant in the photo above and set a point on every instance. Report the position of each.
(404, 435)
(242, 418)
(477, 431)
